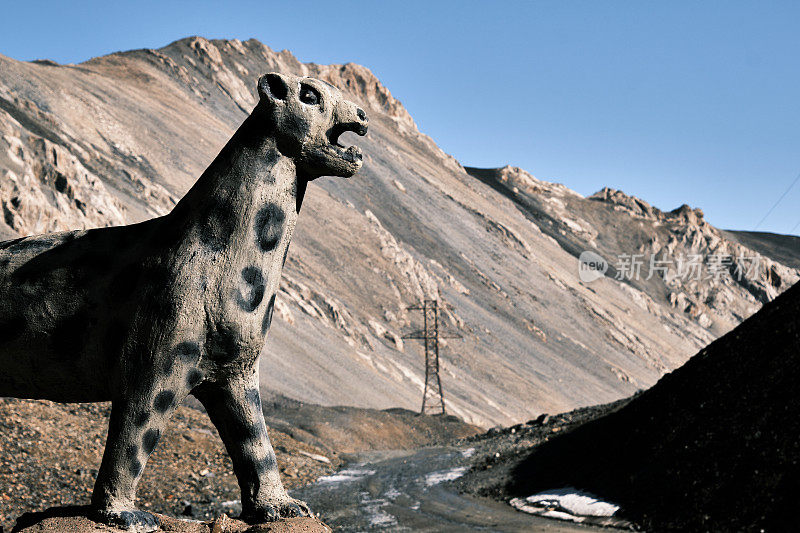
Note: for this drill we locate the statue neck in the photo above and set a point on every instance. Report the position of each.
(247, 175)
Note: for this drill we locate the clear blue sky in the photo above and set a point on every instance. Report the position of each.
(675, 102)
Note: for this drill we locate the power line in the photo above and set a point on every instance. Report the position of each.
(779, 201)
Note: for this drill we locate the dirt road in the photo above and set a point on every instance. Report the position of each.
(408, 490)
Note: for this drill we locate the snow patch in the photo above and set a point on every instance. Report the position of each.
(440, 476)
(373, 507)
(569, 504)
(347, 475)
(392, 493)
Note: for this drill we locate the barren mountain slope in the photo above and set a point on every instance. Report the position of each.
(119, 138)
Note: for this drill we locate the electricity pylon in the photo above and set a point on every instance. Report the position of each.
(432, 396)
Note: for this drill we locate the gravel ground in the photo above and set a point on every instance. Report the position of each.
(50, 452)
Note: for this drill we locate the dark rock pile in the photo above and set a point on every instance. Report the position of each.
(712, 447)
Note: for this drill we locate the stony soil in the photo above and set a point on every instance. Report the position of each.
(49, 454)
(73, 520)
(712, 447)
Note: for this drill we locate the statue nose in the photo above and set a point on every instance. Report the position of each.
(352, 118)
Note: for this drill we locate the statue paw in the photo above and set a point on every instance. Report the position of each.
(291, 508)
(133, 520)
(275, 510)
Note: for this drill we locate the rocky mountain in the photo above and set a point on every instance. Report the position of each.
(118, 139)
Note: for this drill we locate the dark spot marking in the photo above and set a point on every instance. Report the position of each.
(164, 401)
(11, 328)
(69, 335)
(149, 440)
(218, 226)
(360, 113)
(187, 353)
(134, 465)
(265, 465)
(250, 298)
(193, 378)
(269, 226)
(223, 344)
(265, 324)
(253, 432)
(253, 397)
(141, 419)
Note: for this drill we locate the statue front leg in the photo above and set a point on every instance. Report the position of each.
(135, 427)
(234, 407)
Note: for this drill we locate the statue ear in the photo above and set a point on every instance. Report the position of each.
(272, 87)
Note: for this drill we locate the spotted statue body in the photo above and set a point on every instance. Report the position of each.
(144, 315)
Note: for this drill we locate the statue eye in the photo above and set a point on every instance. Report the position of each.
(309, 95)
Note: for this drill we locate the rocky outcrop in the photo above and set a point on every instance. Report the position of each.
(44, 187)
(726, 277)
(677, 257)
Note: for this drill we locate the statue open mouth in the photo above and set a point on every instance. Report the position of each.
(351, 153)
